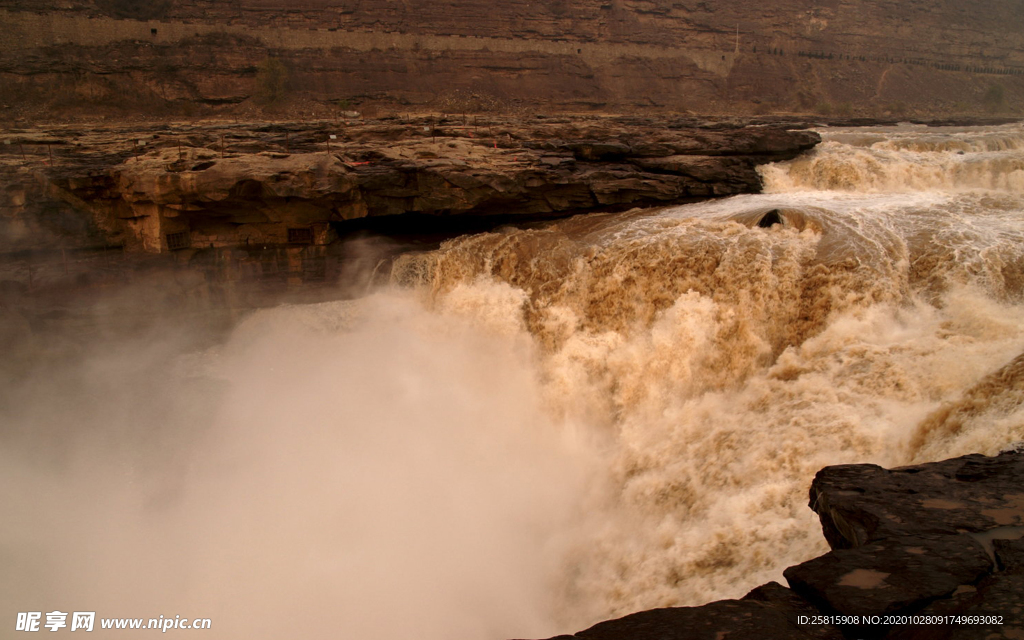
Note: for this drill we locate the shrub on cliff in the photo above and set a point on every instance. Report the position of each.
(994, 98)
(271, 83)
(466, 101)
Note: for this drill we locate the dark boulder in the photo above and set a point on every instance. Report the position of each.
(863, 502)
(893, 575)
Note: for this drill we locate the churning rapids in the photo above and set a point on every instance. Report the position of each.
(532, 430)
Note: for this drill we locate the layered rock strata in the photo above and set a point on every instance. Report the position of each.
(928, 551)
(89, 55)
(166, 188)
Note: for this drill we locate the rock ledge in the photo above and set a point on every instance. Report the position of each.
(163, 188)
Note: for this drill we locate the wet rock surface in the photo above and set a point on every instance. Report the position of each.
(219, 184)
(928, 551)
(890, 575)
(858, 504)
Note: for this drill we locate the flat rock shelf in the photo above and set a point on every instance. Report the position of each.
(159, 188)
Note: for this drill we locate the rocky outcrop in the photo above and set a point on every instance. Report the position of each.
(167, 188)
(929, 551)
(934, 539)
(861, 504)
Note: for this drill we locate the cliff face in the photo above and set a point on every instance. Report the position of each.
(472, 55)
(165, 188)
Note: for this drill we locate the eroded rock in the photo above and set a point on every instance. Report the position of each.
(975, 493)
(891, 575)
(231, 185)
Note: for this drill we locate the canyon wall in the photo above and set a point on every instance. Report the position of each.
(202, 57)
